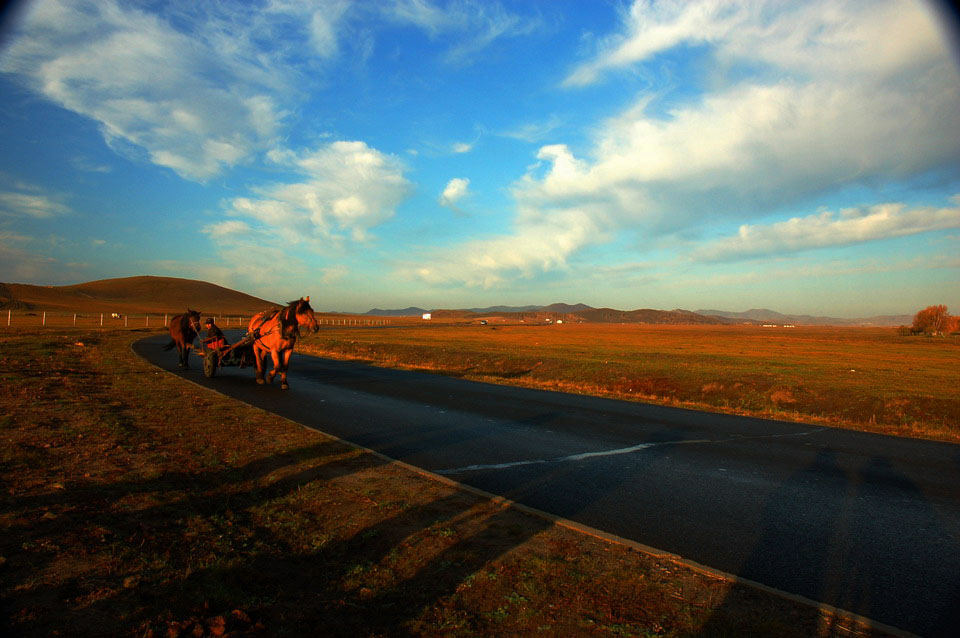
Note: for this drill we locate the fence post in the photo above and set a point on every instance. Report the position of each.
(101, 319)
(74, 320)
(124, 321)
(44, 318)
(148, 321)
(164, 318)
(8, 316)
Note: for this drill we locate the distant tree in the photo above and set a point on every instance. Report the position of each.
(953, 325)
(931, 320)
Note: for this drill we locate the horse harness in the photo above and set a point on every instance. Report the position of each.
(257, 337)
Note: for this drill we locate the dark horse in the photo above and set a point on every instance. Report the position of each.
(183, 330)
(276, 332)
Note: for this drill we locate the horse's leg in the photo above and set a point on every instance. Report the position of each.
(283, 370)
(258, 356)
(186, 356)
(275, 355)
(180, 348)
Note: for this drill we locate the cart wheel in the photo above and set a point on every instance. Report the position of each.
(210, 364)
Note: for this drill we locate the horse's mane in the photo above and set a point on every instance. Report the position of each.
(286, 315)
(184, 319)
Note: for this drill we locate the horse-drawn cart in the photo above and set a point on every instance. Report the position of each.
(272, 332)
(217, 354)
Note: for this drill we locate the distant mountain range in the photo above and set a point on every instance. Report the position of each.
(764, 315)
(583, 312)
(164, 294)
(576, 312)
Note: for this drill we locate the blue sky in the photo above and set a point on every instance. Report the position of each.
(803, 157)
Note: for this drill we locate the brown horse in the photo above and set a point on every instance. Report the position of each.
(276, 332)
(183, 330)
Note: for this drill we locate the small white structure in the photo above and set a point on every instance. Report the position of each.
(427, 316)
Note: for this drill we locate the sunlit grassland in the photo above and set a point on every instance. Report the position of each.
(135, 503)
(863, 378)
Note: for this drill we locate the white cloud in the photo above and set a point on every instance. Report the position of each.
(844, 95)
(455, 190)
(200, 88)
(21, 204)
(811, 271)
(476, 24)
(346, 189)
(537, 245)
(196, 90)
(228, 228)
(8, 238)
(817, 37)
(333, 274)
(462, 147)
(283, 231)
(87, 166)
(749, 149)
(21, 264)
(854, 225)
(534, 131)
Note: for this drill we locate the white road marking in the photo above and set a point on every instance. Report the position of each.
(623, 450)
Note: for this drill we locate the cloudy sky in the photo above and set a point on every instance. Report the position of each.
(691, 154)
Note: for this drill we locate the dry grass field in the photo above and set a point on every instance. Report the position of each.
(137, 504)
(862, 378)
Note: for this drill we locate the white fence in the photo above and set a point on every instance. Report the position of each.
(42, 318)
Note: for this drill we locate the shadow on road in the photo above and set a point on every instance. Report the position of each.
(839, 567)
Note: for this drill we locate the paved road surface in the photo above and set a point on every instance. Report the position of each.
(864, 522)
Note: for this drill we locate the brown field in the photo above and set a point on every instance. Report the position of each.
(138, 504)
(862, 378)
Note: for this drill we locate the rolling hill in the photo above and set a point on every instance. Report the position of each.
(128, 295)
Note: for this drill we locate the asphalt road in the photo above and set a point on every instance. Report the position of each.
(864, 522)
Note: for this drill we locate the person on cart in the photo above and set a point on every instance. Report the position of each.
(214, 339)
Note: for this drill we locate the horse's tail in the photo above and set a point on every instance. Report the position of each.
(170, 345)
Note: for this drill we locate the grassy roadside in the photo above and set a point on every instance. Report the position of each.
(860, 378)
(137, 504)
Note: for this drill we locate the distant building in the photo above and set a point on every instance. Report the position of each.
(427, 316)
